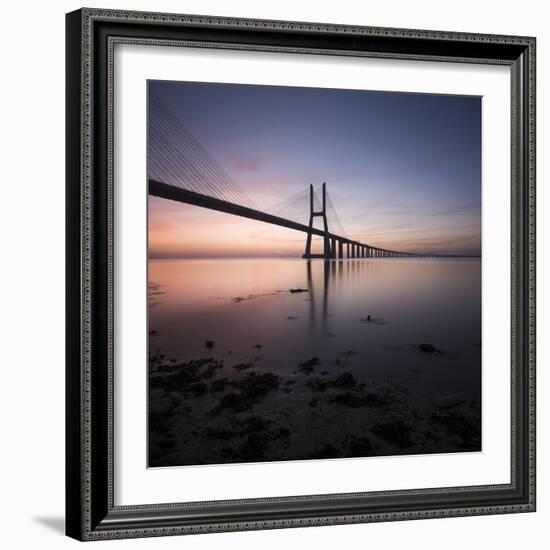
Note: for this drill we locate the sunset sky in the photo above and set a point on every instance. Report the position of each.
(403, 170)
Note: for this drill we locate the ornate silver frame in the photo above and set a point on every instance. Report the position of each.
(91, 37)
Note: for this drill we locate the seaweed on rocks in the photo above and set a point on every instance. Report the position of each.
(184, 377)
(317, 384)
(307, 367)
(249, 391)
(243, 366)
(218, 385)
(256, 436)
(233, 401)
(345, 380)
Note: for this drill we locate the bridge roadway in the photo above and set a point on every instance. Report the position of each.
(353, 249)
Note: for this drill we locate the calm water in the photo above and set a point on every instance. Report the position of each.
(245, 311)
(238, 304)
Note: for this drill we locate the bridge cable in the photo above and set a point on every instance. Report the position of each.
(200, 169)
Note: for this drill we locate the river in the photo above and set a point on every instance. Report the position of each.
(409, 324)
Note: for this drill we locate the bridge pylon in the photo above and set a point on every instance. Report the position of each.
(328, 251)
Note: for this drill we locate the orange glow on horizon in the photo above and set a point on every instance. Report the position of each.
(182, 231)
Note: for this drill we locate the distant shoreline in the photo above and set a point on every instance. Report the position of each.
(294, 258)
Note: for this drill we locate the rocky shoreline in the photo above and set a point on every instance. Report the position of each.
(211, 411)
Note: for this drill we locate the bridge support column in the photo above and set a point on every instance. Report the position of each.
(340, 249)
(347, 250)
(328, 251)
(326, 248)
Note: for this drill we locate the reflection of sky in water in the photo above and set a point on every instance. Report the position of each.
(410, 302)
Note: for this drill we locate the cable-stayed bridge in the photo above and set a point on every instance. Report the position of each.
(181, 169)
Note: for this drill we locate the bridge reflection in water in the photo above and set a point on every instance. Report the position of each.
(330, 275)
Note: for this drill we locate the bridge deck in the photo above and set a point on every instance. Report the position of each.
(170, 192)
(165, 191)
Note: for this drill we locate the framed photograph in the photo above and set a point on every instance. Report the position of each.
(300, 274)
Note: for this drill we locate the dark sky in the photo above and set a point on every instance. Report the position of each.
(403, 169)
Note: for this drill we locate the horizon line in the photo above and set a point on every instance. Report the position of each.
(436, 256)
